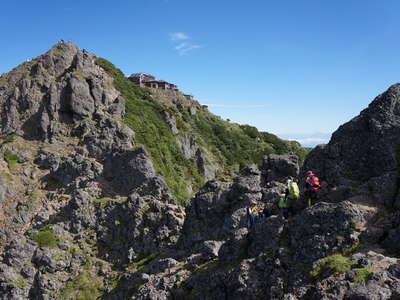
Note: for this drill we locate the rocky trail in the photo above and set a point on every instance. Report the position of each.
(86, 213)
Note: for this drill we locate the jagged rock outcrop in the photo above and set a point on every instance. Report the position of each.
(281, 167)
(43, 97)
(218, 256)
(87, 197)
(364, 151)
(325, 229)
(103, 136)
(191, 150)
(332, 250)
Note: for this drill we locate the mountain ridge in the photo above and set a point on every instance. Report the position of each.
(187, 147)
(94, 172)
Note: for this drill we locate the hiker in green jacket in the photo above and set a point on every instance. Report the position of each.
(283, 204)
(287, 200)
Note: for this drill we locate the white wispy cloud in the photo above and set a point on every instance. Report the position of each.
(178, 36)
(184, 48)
(181, 43)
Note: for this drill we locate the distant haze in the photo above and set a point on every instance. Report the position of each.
(308, 140)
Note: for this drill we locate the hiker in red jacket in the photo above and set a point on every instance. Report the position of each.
(312, 187)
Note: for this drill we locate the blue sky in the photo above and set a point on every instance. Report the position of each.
(295, 68)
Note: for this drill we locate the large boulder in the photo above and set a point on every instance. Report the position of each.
(280, 167)
(129, 169)
(140, 227)
(324, 229)
(103, 136)
(265, 236)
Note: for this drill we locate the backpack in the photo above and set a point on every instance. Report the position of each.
(310, 184)
(294, 192)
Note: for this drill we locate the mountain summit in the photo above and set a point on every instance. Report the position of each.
(43, 98)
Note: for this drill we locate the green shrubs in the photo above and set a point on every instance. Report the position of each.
(239, 145)
(33, 197)
(139, 264)
(57, 51)
(362, 274)
(86, 286)
(143, 115)
(9, 139)
(20, 282)
(45, 237)
(232, 146)
(335, 263)
(228, 142)
(235, 146)
(108, 200)
(10, 158)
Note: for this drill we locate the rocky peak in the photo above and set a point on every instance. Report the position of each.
(71, 172)
(44, 98)
(386, 107)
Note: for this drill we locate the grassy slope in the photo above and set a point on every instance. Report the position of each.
(232, 145)
(143, 115)
(239, 145)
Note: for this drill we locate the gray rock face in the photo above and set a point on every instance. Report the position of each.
(265, 235)
(281, 167)
(128, 170)
(105, 206)
(324, 229)
(371, 291)
(81, 102)
(170, 120)
(364, 150)
(392, 239)
(191, 150)
(124, 239)
(268, 260)
(67, 170)
(65, 86)
(103, 136)
(204, 166)
(123, 230)
(188, 146)
(210, 206)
